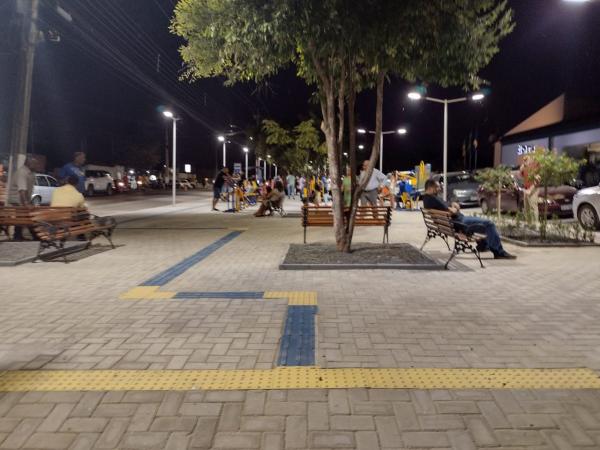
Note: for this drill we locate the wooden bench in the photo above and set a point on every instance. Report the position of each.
(440, 224)
(54, 226)
(366, 216)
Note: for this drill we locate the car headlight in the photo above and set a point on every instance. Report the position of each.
(460, 193)
(139, 182)
(121, 184)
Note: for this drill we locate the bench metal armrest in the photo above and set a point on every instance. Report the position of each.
(104, 221)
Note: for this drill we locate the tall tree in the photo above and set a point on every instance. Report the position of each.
(342, 47)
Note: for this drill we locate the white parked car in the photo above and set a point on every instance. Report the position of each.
(586, 207)
(42, 189)
(98, 181)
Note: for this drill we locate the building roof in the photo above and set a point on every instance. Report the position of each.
(562, 115)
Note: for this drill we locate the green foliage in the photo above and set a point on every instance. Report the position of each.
(293, 149)
(431, 40)
(492, 177)
(553, 169)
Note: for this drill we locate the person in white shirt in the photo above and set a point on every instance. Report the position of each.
(21, 189)
(369, 195)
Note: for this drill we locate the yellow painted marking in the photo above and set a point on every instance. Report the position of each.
(146, 293)
(294, 297)
(295, 378)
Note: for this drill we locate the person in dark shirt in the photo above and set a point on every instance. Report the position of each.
(220, 179)
(472, 224)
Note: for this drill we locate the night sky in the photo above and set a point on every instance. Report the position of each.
(99, 89)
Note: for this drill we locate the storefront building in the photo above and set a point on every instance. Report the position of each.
(568, 129)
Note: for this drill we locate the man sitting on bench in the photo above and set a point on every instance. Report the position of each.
(465, 223)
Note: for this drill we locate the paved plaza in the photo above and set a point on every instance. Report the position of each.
(199, 294)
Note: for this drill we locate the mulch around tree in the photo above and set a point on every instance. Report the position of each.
(363, 256)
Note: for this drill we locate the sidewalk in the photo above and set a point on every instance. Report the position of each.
(540, 311)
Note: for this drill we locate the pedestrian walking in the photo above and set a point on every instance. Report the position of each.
(75, 169)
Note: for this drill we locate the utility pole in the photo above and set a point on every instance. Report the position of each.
(28, 12)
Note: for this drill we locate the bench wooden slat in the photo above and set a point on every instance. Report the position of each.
(313, 216)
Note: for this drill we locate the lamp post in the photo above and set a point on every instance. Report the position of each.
(171, 116)
(246, 159)
(224, 141)
(400, 131)
(264, 170)
(418, 95)
(269, 158)
(275, 165)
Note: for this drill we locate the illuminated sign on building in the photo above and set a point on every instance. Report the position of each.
(525, 149)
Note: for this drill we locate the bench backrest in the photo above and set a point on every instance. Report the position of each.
(317, 216)
(439, 221)
(68, 216)
(365, 215)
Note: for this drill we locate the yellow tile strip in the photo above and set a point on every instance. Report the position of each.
(146, 293)
(153, 293)
(294, 297)
(296, 378)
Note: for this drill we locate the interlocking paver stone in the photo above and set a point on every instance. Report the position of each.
(500, 317)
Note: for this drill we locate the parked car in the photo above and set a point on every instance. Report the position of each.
(98, 181)
(586, 207)
(560, 198)
(42, 189)
(462, 187)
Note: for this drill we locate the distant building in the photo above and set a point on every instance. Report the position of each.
(566, 125)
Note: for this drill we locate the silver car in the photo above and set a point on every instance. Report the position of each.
(586, 207)
(462, 188)
(42, 189)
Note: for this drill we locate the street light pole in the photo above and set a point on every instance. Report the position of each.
(174, 176)
(246, 160)
(401, 131)
(417, 95)
(224, 154)
(445, 149)
(171, 116)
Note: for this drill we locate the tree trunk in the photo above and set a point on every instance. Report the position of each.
(374, 155)
(330, 129)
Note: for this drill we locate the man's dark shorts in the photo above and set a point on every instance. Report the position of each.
(216, 192)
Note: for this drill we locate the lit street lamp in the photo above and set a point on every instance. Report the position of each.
(171, 116)
(246, 159)
(418, 95)
(223, 140)
(400, 131)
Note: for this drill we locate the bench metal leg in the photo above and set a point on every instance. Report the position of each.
(445, 238)
(427, 239)
(452, 255)
(305, 235)
(474, 250)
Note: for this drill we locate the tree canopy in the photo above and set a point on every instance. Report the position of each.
(342, 47)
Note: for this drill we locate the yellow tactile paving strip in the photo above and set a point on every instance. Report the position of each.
(296, 378)
(146, 293)
(154, 293)
(295, 298)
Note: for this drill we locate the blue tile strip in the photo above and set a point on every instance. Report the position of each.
(297, 346)
(227, 295)
(173, 272)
